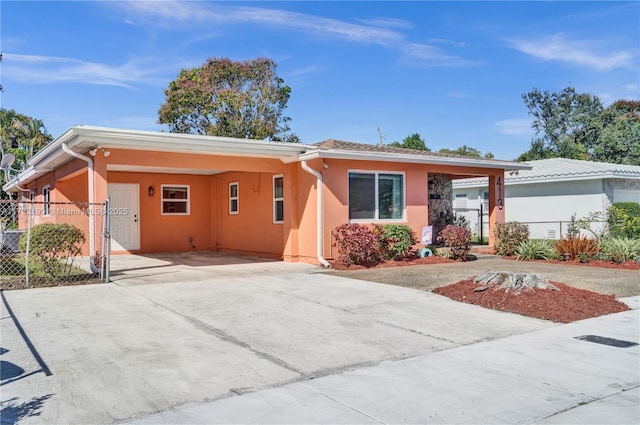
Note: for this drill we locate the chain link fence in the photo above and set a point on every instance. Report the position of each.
(53, 243)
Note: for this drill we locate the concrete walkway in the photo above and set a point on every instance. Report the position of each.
(543, 377)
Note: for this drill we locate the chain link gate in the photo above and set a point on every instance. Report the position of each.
(53, 243)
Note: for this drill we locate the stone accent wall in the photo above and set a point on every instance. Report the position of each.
(440, 201)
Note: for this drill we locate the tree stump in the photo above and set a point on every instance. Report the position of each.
(512, 281)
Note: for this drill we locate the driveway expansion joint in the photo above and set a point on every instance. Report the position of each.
(224, 336)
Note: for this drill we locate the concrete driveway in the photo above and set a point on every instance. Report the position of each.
(187, 330)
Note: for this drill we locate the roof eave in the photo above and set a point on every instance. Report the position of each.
(458, 184)
(412, 159)
(154, 141)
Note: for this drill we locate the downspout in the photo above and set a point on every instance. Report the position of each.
(92, 217)
(319, 215)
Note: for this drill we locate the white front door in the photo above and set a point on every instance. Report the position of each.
(125, 213)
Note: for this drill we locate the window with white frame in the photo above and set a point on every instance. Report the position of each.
(175, 199)
(46, 200)
(278, 199)
(376, 196)
(234, 206)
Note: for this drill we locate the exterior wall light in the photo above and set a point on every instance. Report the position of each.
(151, 191)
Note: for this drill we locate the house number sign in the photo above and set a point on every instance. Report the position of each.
(499, 192)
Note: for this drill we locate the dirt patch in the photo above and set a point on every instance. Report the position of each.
(413, 261)
(37, 282)
(565, 305)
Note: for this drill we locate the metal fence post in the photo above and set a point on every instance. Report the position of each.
(26, 256)
(107, 237)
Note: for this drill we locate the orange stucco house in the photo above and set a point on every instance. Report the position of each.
(181, 192)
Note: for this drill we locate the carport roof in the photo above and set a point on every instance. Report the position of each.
(82, 139)
(339, 149)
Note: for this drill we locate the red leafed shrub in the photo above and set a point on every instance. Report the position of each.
(357, 244)
(580, 247)
(509, 236)
(458, 239)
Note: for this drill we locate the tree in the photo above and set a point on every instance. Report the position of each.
(21, 135)
(466, 151)
(413, 141)
(566, 124)
(619, 139)
(242, 99)
(576, 126)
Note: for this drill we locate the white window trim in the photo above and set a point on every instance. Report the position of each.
(273, 185)
(187, 201)
(46, 201)
(234, 198)
(377, 207)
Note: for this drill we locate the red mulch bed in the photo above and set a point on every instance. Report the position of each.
(413, 261)
(566, 305)
(628, 265)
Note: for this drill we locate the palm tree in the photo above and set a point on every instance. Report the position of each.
(8, 118)
(32, 135)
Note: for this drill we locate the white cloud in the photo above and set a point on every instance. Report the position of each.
(580, 52)
(458, 94)
(36, 69)
(515, 127)
(376, 31)
(388, 22)
(303, 71)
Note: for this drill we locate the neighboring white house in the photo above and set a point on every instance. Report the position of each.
(547, 196)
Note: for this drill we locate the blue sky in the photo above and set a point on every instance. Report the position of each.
(452, 71)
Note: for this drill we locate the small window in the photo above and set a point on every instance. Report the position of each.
(461, 200)
(175, 200)
(234, 208)
(278, 199)
(46, 200)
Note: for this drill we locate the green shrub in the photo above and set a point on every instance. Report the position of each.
(54, 247)
(536, 249)
(458, 239)
(357, 244)
(509, 236)
(577, 247)
(624, 220)
(394, 240)
(620, 250)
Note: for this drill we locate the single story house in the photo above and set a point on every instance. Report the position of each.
(546, 196)
(180, 192)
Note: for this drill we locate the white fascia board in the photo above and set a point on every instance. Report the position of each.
(28, 174)
(90, 137)
(413, 159)
(190, 143)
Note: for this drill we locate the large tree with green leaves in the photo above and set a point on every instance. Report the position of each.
(244, 99)
(413, 141)
(619, 134)
(565, 123)
(576, 125)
